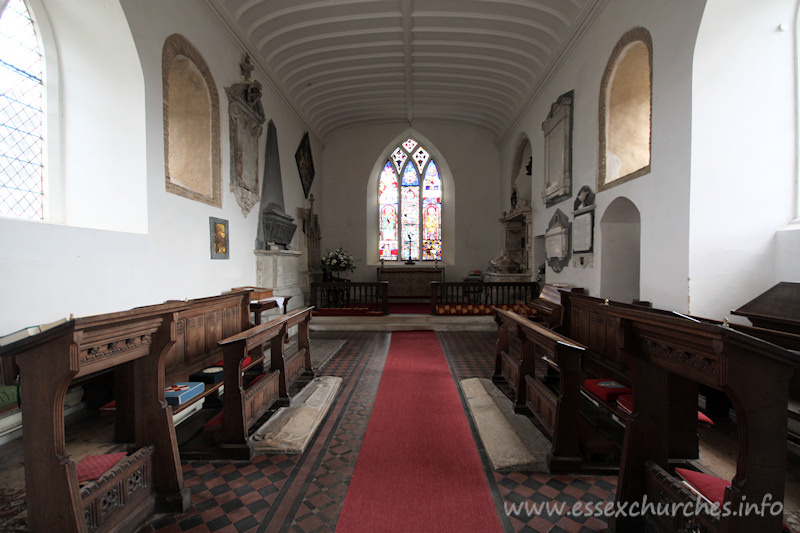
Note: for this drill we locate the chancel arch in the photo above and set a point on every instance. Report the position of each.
(620, 242)
(410, 158)
(626, 99)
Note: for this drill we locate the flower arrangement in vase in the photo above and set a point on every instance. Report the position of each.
(337, 261)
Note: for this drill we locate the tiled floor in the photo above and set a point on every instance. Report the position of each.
(305, 493)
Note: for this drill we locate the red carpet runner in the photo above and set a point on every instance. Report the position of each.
(418, 468)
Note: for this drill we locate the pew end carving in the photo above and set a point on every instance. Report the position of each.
(662, 347)
(140, 340)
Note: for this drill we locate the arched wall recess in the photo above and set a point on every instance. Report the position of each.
(620, 234)
(626, 102)
(191, 124)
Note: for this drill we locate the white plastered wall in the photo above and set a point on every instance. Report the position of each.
(662, 197)
(51, 270)
(743, 154)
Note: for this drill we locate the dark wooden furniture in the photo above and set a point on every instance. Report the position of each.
(548, 304)
(351, 298)
(550, 389)
(245, 405)
(551, 405)
(666, 351)
(135, 343)
(408, 282)
(478, 297)
(778, 308)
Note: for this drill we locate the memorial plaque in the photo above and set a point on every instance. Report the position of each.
(582, 233)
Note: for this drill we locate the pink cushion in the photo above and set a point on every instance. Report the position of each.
(713, 488)
(606, 389)
(703, 419)
(92, 467)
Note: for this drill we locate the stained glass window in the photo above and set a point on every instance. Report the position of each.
(21, 171)
(410, 206)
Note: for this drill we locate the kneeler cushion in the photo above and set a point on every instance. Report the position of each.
(92, 467)
(712, 487)
(245, 362)
(625, 402)
(606, 389)
(703, 419)
(215, 424)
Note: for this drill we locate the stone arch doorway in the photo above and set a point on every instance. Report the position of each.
(620, 237)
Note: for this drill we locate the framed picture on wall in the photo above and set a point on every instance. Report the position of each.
(218, 229)
(305, 165)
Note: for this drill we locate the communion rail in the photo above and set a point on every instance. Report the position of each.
(346, 297)
(478, 297)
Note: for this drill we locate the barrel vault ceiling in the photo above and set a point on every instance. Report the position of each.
(345, 63)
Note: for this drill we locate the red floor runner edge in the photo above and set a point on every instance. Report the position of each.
(418, 468)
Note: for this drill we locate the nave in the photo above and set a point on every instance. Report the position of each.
(306, 492)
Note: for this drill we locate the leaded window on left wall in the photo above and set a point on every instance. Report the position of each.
(410, 206)
(21, 115)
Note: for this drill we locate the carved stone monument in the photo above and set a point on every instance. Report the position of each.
(311, 271)
(277, 267)
(275, 226)
(514, 264)
(246, 119)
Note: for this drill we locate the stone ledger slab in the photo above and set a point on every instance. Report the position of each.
(290, 429)
(511, 441)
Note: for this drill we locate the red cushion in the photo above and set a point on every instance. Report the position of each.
(256, 379)
(606, 389)
(713, 488)
(703, 419)
(110, 406)
(625, 402)
(93, 466)
(244, 363)
(215, 424)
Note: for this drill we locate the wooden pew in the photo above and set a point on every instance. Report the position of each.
(752, 372)
(138, 342)
(548, 304)
(244, 406)
(200, 323)
(550, 405)
(598, 425)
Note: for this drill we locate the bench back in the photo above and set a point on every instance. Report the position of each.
(200, 325)
(587, 321)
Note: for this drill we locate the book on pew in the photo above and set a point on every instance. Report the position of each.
(30, 331)
(180, 393)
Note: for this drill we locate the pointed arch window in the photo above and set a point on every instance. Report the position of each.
(410, 205)
(21, 127)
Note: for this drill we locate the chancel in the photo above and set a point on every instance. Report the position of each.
(392, 265)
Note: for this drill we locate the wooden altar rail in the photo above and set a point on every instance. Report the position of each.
(369, 298)
(665, 351)
(488, 294)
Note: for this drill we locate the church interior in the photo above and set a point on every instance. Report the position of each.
(394, 265)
